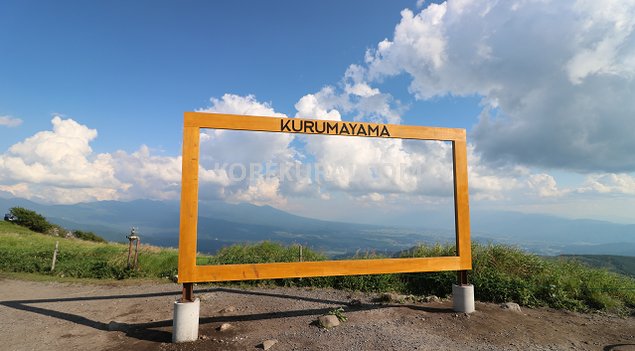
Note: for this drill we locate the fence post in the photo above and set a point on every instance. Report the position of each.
(57, 243)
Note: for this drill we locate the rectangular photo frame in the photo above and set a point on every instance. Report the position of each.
(190, 272)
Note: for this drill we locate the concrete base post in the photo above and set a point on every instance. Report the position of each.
(185, 321)
(463, 298)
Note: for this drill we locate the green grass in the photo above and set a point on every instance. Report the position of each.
(24, 251)
(500, 273)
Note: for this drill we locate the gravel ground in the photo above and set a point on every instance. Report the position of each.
(62, 316)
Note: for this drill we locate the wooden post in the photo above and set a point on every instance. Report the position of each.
(57, 243)
(129, 252)
(301, 258)
(136, 254)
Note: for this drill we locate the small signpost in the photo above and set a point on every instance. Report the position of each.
(133, 237)
(189, 272)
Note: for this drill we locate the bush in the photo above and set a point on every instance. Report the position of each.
(263, 252)
(30, 219)
(88, 236)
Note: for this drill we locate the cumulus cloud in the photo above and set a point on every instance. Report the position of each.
(545, 185)
(60, 157)
(245, 147)
(556, 77)
(9, 121)
(59, 165)
(235, 153)
(610, 183)
(156, 177)
(366, 167)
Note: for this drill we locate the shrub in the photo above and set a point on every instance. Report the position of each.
(30, 219)
(88, 236)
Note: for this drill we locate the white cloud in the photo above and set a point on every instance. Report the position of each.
(61, 157)
(362, 167)
(48, 193)
(556, 77)
(260, 191)
(492, 183)
(236, 152)
(59, 166)
(545, 185)
(244, 147)
(9, 121)
(603, 40)
(156, 177)
(608, 183)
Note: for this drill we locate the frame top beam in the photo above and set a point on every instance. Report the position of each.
(326, 127)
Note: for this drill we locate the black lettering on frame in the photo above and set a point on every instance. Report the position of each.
(308, 126)
(299, 128)
(384, 131)
(331, 128)
(284, 125)
(344, 129)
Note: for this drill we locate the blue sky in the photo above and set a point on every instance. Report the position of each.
(92, 96)
(122, 67)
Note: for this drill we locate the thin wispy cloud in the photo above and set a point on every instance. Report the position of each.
(8, 121)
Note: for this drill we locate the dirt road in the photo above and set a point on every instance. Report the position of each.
(61, 316)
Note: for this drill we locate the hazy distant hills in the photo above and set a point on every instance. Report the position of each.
(619, 264)
(222, 224)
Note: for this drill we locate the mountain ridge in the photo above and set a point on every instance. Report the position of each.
(222, 224)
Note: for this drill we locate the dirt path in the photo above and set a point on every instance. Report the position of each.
(59, 316)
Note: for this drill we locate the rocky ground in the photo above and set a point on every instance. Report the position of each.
(62, 316)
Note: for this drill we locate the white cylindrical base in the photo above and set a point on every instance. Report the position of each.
(463, 298)
(185, 322)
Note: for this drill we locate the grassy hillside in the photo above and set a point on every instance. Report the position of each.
(500, 273)
(619, 264)
(22, 250)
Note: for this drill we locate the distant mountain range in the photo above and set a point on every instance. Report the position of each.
(222, 224)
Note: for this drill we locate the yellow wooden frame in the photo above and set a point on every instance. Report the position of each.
(189, 272)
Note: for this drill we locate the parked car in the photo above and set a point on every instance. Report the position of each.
(9, 217)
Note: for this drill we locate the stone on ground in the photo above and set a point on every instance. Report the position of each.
(329, 321)
(511, 306)
(393, 298)
(267, 344)
(225, 326)
(432, 298)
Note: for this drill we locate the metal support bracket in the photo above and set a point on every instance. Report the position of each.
(188, 292)
(462, 278)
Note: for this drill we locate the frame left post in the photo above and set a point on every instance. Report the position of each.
(186, 310)
(189, 204)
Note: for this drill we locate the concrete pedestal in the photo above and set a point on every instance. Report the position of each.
(463, 298)
(185, 321)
